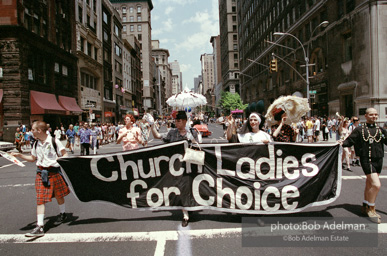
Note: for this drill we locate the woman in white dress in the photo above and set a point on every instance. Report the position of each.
(250, 132)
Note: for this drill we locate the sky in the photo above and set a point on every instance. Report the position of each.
(184, 28)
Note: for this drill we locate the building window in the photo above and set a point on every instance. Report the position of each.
(139, 18)
(95, 53)
(105, 18)
(124, 9)
(105, 36)
(139, 28)
(80, 14)
(139, 37)
(131, 28)
(89, 49)
(131, 9)
(82, 44)
(139, 9)
(95, 5)
(117, 50)
(117, 30)
(124, 28)
(64, 70)
(88, 80)
(350, 6)
(124, 19)
(347, 47)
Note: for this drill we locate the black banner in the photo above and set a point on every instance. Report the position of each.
(243, 178)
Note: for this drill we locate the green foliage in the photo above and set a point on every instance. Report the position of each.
(231, 101)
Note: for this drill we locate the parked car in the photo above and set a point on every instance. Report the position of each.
(5, 146)
(203, 129)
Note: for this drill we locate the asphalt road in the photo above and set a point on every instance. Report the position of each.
(106, 229)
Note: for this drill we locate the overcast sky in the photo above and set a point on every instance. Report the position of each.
(185, 27)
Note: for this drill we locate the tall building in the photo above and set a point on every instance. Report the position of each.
(197, 80)
(90, 63)
(218, 80)
(177, 85)
(37, 46)
(229, 44)
(136, 20)
(208, 72)
(346, 58)
(135, 86)
(163, 73)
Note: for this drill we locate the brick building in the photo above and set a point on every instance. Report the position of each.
(39, 82)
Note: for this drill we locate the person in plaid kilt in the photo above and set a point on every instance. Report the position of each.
(49, 182)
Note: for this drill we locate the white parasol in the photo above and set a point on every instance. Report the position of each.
(294, 107)
(186, 98)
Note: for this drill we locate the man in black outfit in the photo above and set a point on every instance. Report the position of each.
(368, 140)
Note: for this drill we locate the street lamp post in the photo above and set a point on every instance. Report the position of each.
(323, 24)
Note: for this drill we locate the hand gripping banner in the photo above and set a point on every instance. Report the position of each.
(241, 178)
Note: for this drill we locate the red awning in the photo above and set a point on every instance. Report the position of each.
(108, 114)
(70, 104)
(1, 95)
(45, 103)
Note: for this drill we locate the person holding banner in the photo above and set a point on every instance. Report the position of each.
(282, 132)
(176, 134)
(368, 140)
(129, 135)
(49, 182)
(250, 132)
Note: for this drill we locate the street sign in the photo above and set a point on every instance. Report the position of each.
(313, 92)
(89, 105)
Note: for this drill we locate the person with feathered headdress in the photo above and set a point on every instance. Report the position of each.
(282, 113)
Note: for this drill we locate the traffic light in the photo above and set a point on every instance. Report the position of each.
(273, 66)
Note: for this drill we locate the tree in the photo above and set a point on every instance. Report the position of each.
(231, 101)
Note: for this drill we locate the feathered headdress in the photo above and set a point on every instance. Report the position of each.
(294, 107)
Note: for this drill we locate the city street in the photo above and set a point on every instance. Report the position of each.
(105, 229)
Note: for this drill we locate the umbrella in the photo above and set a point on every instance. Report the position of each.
(186, 98)
(295, 108)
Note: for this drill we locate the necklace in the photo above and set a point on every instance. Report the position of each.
(371, 138)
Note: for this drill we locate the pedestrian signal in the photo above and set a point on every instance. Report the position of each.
(273, 66)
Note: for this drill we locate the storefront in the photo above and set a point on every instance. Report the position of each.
(46, 107)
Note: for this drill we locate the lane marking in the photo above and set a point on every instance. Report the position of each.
(159, 236)
(172, 235)
(17, 185)
(361, 177)
(8, 165)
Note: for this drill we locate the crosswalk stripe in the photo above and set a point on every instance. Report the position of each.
(158, 236)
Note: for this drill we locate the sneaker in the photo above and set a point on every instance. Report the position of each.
(36, 232)
(61, 218)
